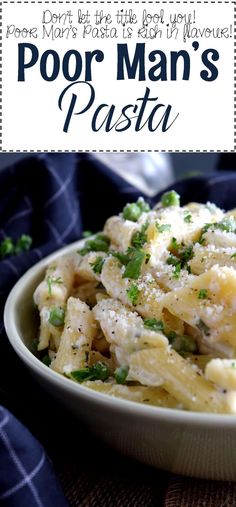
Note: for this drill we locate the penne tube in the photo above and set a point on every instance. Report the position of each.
(149, 301)
(181, 380)
(120, 231)
(205, 257)
(222, 372)
(141, 394)
(125, 329)
(208, 303)
(57, 284)
(51, 293)
(88, 268)
(76, 340)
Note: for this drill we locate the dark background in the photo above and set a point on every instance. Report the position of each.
(182, 162)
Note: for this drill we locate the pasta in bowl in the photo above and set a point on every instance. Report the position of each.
(134, 331)
(146, 309)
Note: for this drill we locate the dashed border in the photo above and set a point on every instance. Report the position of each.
(116, 2)
(0, 77)
(117, 151)
(234, 76)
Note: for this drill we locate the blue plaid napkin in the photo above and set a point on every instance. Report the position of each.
(53, 198)
(26, 475)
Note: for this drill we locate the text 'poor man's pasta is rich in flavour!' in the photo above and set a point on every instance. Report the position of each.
(146, 310)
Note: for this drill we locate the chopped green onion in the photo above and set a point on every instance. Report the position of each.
(57, 316)
(133, 260)
(174, 245)
(81, 375)
(121, 374)
(100, 243)
(173, 260)
(7, 247)
(163, 227)
(180, 262)
(233, 255)
(23, 244)
(97, 265)
(139, 238)
(133, 294)
(123, 258)
(49, 284)
(188, 218)
(227, 225)
(154, 324)
(170, 199)
(134, 266)
(177, 270)
(186, 254)
(98, 371)
(203, 231)
(203, 294)
(50, 281)
(176, 263)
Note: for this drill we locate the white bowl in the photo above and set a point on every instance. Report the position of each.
(190, 443)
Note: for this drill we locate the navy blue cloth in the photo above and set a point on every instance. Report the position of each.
(53, 198)
(27, 477)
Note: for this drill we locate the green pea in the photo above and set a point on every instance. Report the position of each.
(170, 199)
(132, 212)
(57, 316)
(121, 374)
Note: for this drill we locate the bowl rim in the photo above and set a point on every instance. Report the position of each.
(117, 404)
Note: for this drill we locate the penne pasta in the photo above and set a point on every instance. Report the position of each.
(86, 269)
(125, 330)
(146, 309)
(181, 380)
(150, 294)
(214, 315)
(222, 372)
(53, 292)
(140, 394)
(76, 340)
